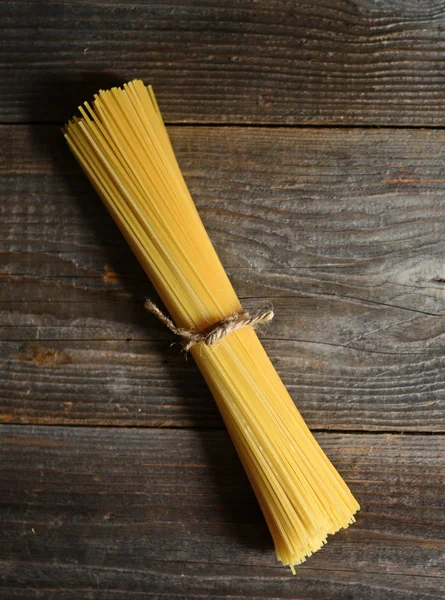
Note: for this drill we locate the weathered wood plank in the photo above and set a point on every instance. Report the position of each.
(351, 213)
(328, 62)
(106, 512)
(341, 230)
(149, 383)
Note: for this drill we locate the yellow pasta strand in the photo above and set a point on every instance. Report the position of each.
(123, 147)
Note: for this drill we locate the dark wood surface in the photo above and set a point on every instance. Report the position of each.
(280, 61)
(117, 478)
(343, 230)
(170, 513)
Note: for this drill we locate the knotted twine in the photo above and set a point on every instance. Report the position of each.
(215, 332)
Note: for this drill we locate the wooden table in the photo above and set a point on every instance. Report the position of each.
(311, 137)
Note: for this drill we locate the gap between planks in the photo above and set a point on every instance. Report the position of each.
(238, 125)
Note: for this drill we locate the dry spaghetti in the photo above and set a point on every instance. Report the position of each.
(123, 147)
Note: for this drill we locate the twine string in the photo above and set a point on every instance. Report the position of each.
(215, 332)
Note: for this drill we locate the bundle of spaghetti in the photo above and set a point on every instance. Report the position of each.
(123, 146)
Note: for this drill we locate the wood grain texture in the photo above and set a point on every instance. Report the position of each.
(111, 513)
(282, 62)
(342, 230)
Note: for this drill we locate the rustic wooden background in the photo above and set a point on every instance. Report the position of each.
(311, 136)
